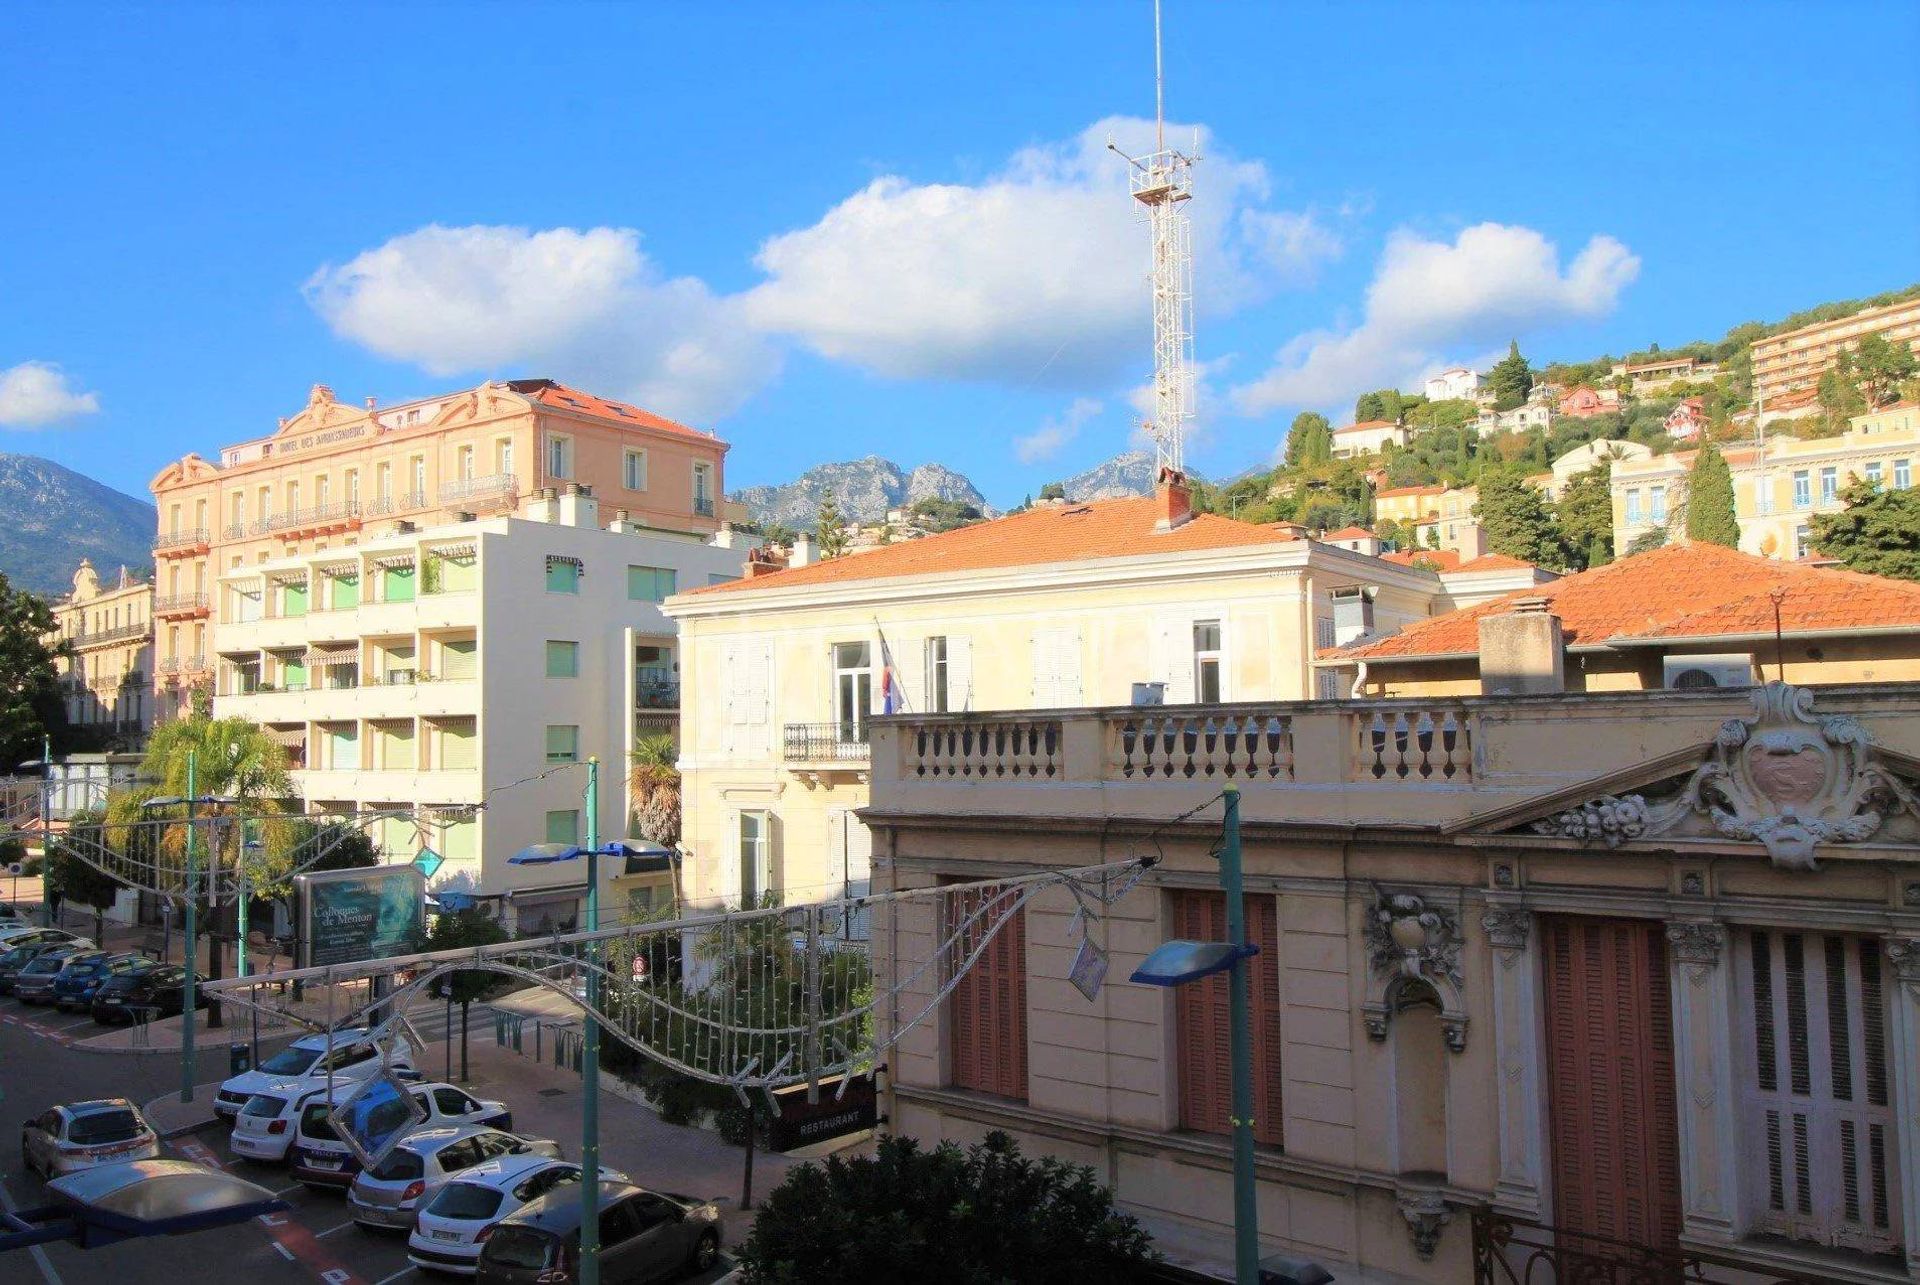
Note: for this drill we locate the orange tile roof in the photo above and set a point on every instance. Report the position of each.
(1367, 424)
(561, 397)
(1441, 559)
(1496, 562)
(1352, 533)
(1390, 492)
(1051, 533)
(1680, 591)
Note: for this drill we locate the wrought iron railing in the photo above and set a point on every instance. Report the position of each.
(1510, 1251)
(100, 637)
(180, 603)
(655, 687)
(503, 487)
(180, 539)
(844, 742)
(703, 505)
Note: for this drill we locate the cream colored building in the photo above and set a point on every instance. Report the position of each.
(333, 471)
(1794, 361)
(1531, 969)
(1583, 458)
(1371, 437)
(433, 665)
(1777, 487)
(1062, 605)
(106, 679)
(1651, 376)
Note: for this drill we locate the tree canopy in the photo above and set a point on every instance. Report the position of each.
(1710, 511)
(1585, 514)
(1878, 531)
(830, 528)
(1518, 521)
(944, 1217)
(1309, 440)
(30, 703)
(1511, 379)
(1876, 367)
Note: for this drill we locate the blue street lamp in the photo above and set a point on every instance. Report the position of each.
(543, 854)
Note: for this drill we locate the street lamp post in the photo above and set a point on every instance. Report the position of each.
(190, 943)
(546, 854)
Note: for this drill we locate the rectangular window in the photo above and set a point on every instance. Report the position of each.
(1633, 506)
(703, 490)
(1200, 1017)
(353, 486)
(852, 690)
(343, 746)
(293, 600)
(1206, 662)
(987, 1009)
(456, 746)
(563, 659)
(396, 584)
(419, 495)
(1829, 484)
(1802, 541)
(1815, 1111)
(651, 584)
(1902, 474)
(563, 743)
(633, 472)
(563, 575)
(563, 826)
(1873, 474)
(1802, 489)
(1659, 504)
(756, 857)
(459, 659)
(346, 592)
(937, 676)
(383, 482)
(559, 457)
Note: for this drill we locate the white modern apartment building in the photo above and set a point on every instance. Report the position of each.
(454, 665)
(1456, 383)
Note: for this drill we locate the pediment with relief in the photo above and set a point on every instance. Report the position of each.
(1785, 777)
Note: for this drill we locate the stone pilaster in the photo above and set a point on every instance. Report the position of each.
(1517, 1060)
(1700, 981)
(1904, 1053)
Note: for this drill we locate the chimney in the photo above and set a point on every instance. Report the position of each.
(1522, 651)
(802, 555)
(578, 507)
(1352, 614)
(764, 560)
(1172, 502)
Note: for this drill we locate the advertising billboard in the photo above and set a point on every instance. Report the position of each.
(346, 916)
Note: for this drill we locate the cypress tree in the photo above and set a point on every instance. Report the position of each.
(1710, 514)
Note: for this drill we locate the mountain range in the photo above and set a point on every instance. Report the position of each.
(865, 489)
(55, 517)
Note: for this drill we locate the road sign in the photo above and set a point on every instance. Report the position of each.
(428, 862)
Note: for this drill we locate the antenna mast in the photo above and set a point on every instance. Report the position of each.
(1162, 183)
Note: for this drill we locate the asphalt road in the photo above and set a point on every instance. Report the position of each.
(315, 1241)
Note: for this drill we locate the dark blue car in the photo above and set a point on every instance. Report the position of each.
(75, 985)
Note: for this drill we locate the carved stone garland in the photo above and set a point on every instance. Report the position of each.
(1415, 950)
(1785, 777)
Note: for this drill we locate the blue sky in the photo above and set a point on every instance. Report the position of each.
(832, 230)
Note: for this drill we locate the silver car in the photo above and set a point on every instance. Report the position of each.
(390, 1194)
(81, 1135)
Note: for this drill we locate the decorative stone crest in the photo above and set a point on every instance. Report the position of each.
(1696, 945)
(1426, 1213)
(1507, 928)
(1786, 778)
(1415, 950)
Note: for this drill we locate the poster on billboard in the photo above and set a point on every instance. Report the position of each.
(346, 916)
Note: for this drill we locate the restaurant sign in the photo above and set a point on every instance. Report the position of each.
(798, 1123)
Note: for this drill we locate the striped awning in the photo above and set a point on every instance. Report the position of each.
(288, 577)
(456, 552)
(288, 736)
(321, 657)
(350, 568)
(390, 561)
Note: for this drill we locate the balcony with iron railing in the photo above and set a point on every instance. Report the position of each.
(815, 744)
(493, 490)
(656, 687)
(102, 637)
(703, 505)
(181, 604)
(178, 542)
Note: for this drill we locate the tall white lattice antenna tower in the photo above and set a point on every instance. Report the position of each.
(1163, 184)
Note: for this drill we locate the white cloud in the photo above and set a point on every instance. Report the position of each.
(35, 394)
(583, 306)
(1492, 281)
(1036, 274)
(1050, 438)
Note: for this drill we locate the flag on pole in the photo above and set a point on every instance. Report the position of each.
(892, 699)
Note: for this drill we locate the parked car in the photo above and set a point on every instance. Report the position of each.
(34, 985)
(147, 990)
(75, 985)
(81, 1135)
(644, 1236)
(355, 1057)
(16, 957)
(453, 1227)
(319, 1157)
(388, 1195)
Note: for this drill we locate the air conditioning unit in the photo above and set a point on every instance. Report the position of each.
(1729, 670)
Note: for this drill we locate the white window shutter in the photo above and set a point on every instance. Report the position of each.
(959, 674)
(1174, 634)
(1056, 668)
(909, 674)
(727, 886)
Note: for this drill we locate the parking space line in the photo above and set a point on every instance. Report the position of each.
(288, 1191)
(396, 1276)
(76, 1022)
(39, 1252)
(329, 1231)
(284, 1251)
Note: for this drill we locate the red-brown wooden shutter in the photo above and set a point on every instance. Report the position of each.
(987, 1011)
(1201, 1021)
(1610, 1084)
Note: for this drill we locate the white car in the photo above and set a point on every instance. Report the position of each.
(264, 1128)
(68, 1139)
(452, 1228)
(321, 1159)
(354, 1058)
(414, 1171)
